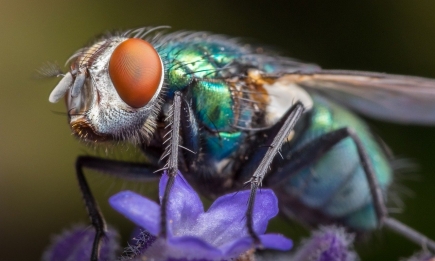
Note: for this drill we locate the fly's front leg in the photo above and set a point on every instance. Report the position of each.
(295, 113)
(171, 153)
(115, 168)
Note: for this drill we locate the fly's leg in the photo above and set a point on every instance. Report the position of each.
(115, 168)
(171, 153)
(320, 146)
(294, 114)
(409, 233)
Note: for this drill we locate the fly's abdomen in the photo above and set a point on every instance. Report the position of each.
(335, 186)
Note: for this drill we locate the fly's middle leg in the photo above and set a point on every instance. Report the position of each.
(286, 127)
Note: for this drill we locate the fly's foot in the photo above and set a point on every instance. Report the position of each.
(249, 212)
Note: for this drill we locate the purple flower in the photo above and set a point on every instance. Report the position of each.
(217, 234)
(76, 244)
(327, 244)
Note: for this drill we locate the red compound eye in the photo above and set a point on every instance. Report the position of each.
(136, 71)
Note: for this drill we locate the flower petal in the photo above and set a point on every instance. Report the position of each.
(142, 211)
(269, 241)
(225, 220)
(184, 204)
(237, 247)
(76, 244)
(276, 241)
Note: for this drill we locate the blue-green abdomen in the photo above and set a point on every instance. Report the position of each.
(336, 184)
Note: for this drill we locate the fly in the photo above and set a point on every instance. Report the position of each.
(232, 108)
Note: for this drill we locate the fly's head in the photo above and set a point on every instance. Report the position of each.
(113, 90)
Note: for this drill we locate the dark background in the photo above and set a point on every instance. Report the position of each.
(38, 192)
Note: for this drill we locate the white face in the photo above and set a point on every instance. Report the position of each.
(105, 92)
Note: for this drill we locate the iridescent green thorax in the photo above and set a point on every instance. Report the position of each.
(195, 58)
(201, 69)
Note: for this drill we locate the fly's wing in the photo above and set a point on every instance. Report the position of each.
(396, 98)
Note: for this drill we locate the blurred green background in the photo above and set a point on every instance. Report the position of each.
(38, 192)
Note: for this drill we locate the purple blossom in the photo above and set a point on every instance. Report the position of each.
(76, 244)
(217, 234)
(327, 244)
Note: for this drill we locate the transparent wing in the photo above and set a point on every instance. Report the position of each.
(396, 98)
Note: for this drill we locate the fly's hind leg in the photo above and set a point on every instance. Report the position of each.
(119, 169)
(314, 150)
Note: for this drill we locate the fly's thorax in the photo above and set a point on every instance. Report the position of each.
(107, 92)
